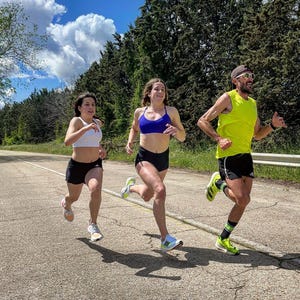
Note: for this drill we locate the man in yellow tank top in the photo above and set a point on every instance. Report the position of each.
(238, 124)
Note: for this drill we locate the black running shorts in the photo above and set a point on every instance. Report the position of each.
(236, 166)
(76, 171)
(159, 160)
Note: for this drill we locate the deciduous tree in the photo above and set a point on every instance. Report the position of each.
(19, 44)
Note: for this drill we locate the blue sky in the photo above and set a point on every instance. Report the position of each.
(78, 30)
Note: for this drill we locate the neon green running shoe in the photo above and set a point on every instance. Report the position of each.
(126, 189)
(226, 246)
(211, 189)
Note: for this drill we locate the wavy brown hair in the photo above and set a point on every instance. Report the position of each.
(148, 87)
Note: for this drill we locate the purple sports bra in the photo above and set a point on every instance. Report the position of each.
(154, 126)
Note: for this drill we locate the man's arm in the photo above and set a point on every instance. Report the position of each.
(261, 132)
(204, 123)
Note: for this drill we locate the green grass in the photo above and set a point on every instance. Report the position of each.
(199, 160)
(51, 148)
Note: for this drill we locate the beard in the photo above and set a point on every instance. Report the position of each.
(245, 89)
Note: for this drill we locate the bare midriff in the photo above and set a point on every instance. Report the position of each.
(155, 142)
(85, 154)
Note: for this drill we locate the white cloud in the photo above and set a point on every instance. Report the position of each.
(78, 44)
(6, 94)
(71, 47)
(42, 12)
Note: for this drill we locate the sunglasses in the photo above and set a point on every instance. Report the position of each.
(246, 75)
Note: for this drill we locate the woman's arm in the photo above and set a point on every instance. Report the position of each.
(74, 132)
(175, 129)
(134, 130)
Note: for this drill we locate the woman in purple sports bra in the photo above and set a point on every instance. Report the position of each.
(156, 122)
(85, 166)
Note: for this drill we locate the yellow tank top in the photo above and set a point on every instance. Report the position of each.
(237, 125)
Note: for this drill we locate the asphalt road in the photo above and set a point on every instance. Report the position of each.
(45, 257)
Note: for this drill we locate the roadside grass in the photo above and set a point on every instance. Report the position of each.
(51, 148)
(199, 160)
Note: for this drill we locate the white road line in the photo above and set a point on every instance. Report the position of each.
(207, 228)
(41, 167)
(241, 241)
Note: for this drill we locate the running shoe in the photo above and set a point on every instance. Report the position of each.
(94, 230)
(211, 189)
(226, 246)
(126, 189)
(170, 243)
(68, 213)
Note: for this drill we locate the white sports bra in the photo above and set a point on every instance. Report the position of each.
(90, 138)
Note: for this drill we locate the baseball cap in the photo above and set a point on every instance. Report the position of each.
(240, 70)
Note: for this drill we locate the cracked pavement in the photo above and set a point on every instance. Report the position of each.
(44, 257)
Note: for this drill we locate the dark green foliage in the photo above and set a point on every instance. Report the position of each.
(40, 118)
(272, 46)
(109, 81)
(193, 45)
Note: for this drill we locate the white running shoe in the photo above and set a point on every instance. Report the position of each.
(94, 230)
(68, 213)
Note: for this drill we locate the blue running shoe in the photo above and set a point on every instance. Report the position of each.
(170, 243)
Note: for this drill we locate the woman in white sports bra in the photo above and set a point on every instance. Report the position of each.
(85, 166)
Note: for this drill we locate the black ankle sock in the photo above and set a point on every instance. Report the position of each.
(220, 184)
(227, 229)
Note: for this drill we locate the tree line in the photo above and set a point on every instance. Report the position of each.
(193, 46)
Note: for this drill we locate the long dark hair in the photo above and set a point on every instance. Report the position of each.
(148, 88)
(79, 102)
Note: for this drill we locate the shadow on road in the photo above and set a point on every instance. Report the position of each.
(248, 258)
(147, 263)
(194, 257)
(253, 258)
